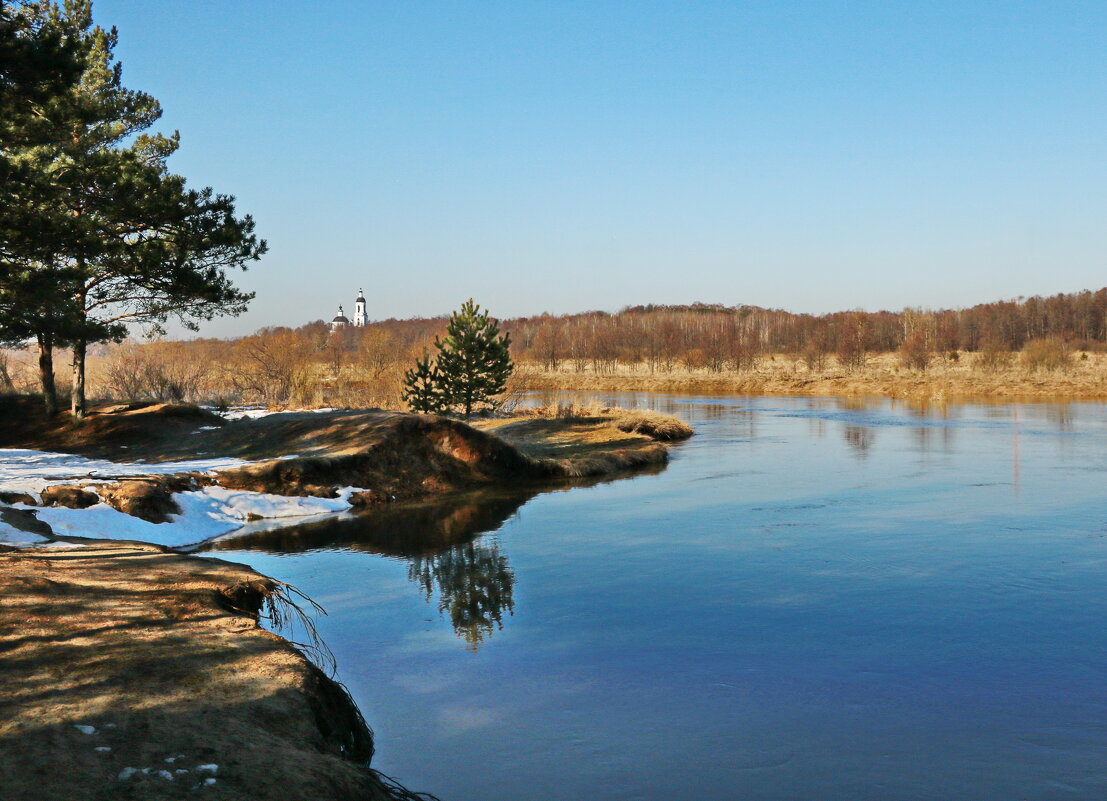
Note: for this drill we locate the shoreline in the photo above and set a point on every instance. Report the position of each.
(137, 672)
(883, 376)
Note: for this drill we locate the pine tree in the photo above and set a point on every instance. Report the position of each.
(422, 389)
(37, 64)
(128, 241)
(473, 361)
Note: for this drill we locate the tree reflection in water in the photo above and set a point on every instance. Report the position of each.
(474, 584)
(439, 537)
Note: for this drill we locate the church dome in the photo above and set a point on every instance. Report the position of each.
(340, 319)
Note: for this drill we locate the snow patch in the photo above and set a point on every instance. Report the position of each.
(85, 729)
(30, 471)
(10, 535)
(254, 412)
(205, 514)
(262, 504)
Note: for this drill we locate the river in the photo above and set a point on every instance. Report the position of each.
(818, 599)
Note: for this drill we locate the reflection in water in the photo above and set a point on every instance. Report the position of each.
(401, 529)
(474, 584)
(859, 439)
(440, 537)
(1061, 415)
(471, 576)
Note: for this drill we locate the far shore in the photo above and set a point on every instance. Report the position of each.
(883, 375)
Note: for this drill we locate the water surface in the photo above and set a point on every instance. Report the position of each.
(817, 599)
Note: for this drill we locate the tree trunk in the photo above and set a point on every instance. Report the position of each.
(46, 374)
(77, 404)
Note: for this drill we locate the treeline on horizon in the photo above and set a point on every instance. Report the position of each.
(353, 366)
(715, 337)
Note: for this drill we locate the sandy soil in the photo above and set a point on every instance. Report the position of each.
(162, 658)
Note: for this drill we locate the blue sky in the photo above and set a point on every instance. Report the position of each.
(559, 157)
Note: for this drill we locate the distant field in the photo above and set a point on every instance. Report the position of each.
(276, 375)
(883, 374)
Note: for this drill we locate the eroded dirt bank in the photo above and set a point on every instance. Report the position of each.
(134, 673)
(393, 454)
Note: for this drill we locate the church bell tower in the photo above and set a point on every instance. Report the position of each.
(360, 317)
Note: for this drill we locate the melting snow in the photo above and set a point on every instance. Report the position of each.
(254, 412)
(9, 535)
(206, 513)
(23, 470)
(85, 729)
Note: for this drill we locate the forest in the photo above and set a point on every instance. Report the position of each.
(685, 346)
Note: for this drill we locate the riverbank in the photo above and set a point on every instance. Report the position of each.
(178, 475)
(883, 375)
(131, 672)
(136, 672)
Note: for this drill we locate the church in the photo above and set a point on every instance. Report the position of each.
(360, 317)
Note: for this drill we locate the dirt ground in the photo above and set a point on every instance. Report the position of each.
(133, 673)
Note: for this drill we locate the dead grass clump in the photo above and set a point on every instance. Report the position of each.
(661, 427)
(561, 411)
(609, 462)
(657, 426)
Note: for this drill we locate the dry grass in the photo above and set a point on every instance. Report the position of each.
(577, 446)
(884, 374)
(656, 426)
(162, 654)
(577, 441)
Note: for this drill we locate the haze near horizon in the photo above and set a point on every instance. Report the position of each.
(812, 157)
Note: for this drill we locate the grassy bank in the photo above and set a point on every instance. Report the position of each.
(135, 673)
(883, 374)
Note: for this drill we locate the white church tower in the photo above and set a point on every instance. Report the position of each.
(360, 317)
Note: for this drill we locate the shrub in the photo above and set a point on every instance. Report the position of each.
(993, 357)
(852, 355)
(164, 373)
(915, 353)
(1046, 353)
(814, 356)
